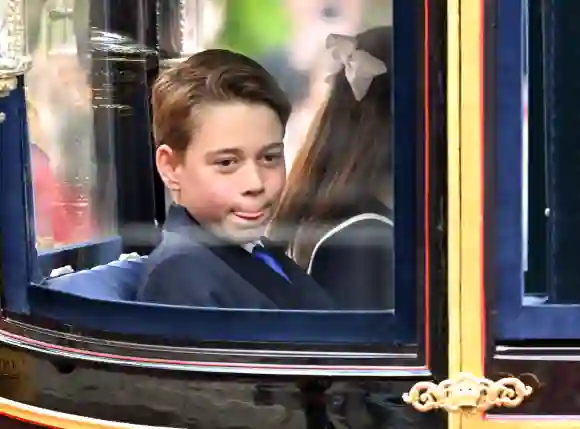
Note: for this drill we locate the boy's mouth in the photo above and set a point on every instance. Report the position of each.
(250, 215)
(253, 216)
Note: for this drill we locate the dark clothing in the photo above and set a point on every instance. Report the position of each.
(354, 260)
(193, 267)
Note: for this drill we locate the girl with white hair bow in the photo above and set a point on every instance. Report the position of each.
(336, 213)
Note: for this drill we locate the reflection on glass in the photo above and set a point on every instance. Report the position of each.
(61, 123)
(525, 134)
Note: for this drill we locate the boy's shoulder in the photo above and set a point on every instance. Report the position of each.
(171, 267)
(177, 248)
(181, 271)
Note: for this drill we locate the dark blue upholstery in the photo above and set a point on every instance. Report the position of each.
(115, 281)
(213, 324)
(99, 251)
(100, 299)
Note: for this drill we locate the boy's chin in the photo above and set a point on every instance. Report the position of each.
(239, 235)
(248, 236)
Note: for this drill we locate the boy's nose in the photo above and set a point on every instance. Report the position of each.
(253, 181)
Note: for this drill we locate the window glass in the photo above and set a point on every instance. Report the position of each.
(550, 154)
(534, 205)
(343, 68)
(62, 127)
(536, 221)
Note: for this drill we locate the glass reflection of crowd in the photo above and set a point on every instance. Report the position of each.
(60, 120)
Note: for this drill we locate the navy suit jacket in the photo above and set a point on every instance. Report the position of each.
(193, 267)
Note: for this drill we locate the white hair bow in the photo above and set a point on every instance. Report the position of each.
(360, 67)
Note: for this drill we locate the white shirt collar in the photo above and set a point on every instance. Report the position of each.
(250, 246)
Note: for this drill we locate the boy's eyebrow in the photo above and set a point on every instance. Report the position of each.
(275, 145)
(239, 152)
(226, 151)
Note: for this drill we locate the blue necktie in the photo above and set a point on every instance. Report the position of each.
(261, 253)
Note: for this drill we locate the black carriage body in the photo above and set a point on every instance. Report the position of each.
(208, 388)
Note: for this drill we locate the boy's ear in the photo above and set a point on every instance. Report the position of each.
(167, 162)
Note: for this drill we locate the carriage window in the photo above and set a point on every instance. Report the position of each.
(551, 157)
(354, 215)
(538, 210)
(551, 160)
(73, 197)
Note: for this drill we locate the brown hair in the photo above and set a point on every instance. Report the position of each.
(347, 156)
(210, 76)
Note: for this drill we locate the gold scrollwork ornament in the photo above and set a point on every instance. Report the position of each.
(467, 393)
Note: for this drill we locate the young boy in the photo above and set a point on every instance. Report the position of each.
(219, 121)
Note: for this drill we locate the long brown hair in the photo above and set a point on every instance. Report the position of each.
(347, 156)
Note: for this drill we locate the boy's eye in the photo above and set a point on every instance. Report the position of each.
(273, 157)
(225, 162)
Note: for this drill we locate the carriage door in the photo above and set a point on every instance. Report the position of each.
(515, 314)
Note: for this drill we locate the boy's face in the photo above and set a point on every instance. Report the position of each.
(232, 174)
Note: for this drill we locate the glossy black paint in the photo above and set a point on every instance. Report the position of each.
(553, 372)
(182, 387)
(212, 401)
(155, 384)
